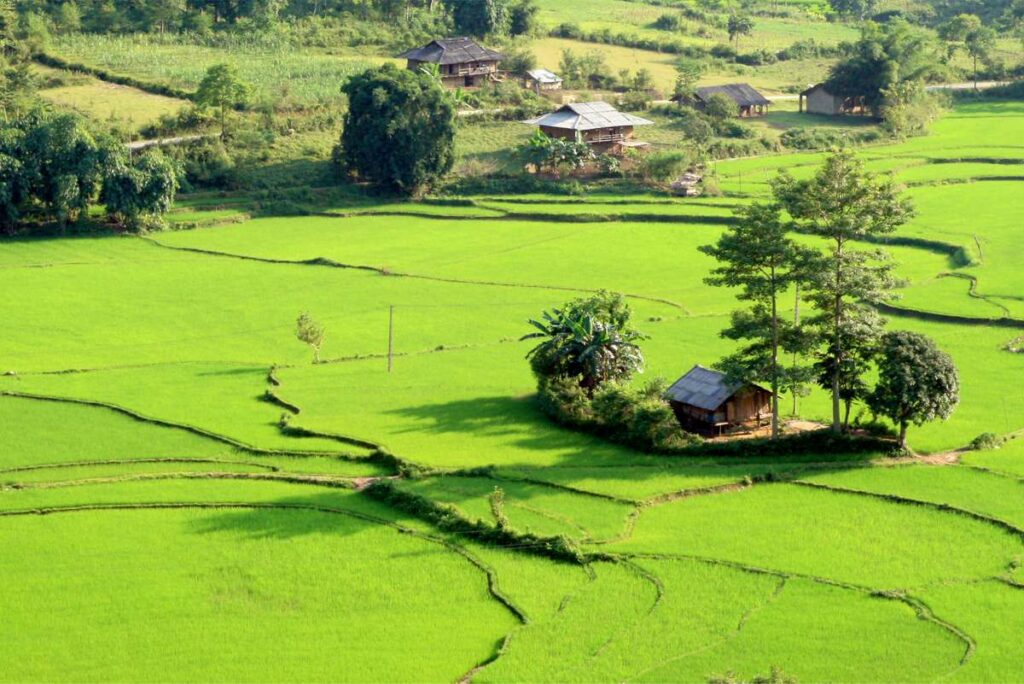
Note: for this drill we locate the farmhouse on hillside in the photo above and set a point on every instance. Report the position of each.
(748, 101)
(818, 100)
(462, 61)
(542, 79)
(599, 124)
(705, 402)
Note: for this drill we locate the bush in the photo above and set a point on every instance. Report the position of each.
(662, 167)
(634, 101)
(987, 440)
(639, 419)
(563, 400)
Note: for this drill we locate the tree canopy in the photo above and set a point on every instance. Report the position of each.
(399, 130)
(589, 339)
(843, 203)
(885, 55)
(917, 381)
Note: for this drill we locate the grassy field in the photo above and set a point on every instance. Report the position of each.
(110, 102)
(282, 75)
(173, 463)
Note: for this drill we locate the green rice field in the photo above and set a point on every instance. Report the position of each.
(184, 494)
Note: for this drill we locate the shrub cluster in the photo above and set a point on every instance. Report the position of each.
(639, 419)
(824, 138)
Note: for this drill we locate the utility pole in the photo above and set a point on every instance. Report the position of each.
(391, 336)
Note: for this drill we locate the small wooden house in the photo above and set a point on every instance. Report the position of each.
(748, 101)
(462, 61)
(599, 124)
(818, 100)
(542, 79)
(705, 402)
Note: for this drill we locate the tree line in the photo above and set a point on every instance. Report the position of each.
(470, 17)
(52, 168)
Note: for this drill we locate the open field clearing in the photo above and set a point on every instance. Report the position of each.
(111, 102)
(173, 462)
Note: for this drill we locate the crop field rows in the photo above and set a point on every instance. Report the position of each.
(172, 462)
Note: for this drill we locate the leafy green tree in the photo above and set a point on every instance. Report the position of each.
(739, 25)
(967, 32)
(62, 164)
(69, 17)
(310, 332)
(556, 153)
(590, 339)
(859, 346)
(222, 88)
(399, 129)
(719, 108)
(843, 203)
(140, 192)
(908, 109)
(917, 382)
(884, 55)
(758, 257)
(688, 73)
(522, 18)
(481, 17)
(856, 9)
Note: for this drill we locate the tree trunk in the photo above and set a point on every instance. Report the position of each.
(846, 415)
(903, 434)
(775, 365)
(796, 325)
(975, 72)
(837, 322)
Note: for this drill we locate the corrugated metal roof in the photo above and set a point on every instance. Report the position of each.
(740, 93)
(703, 388)
(544, 76)
(452, 51)
(588, 116)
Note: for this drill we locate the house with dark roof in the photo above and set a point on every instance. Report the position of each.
(462, 61)
(818, 100)
(599, 124)
(748, 101)
(705, 402)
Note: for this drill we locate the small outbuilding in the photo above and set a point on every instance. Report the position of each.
(599, 124)
(462, 61)
(705, 402)
(542, 79)
(818, 100)
(748, 101)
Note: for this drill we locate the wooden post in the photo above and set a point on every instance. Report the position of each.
(391, 336)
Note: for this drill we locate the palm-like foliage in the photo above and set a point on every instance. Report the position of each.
(588, 341)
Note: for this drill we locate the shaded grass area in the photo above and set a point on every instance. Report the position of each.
(249, 589)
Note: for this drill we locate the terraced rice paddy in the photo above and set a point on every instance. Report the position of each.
(183, 495)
